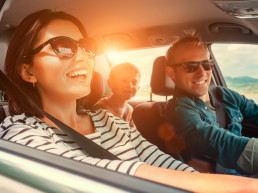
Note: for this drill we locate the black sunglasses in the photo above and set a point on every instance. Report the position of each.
(190, 67)
(67, 48)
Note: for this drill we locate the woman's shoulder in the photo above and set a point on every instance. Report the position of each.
(100, 115)
(21, 120)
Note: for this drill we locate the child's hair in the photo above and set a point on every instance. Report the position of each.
(126, 66)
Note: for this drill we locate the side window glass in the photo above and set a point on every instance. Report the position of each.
(239, 66)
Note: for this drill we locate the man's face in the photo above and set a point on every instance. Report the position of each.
(195, 83)
(125, 84)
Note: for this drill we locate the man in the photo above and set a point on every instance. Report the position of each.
(192, 114)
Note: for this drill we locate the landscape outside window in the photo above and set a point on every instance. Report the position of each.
(239, 66)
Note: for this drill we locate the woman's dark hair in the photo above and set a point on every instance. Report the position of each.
(21, 44)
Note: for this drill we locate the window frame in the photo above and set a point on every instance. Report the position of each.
(216, 72)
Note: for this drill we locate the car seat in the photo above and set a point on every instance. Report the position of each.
(148, 117)
(97, 92)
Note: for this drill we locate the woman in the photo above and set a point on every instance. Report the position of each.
(51, 58)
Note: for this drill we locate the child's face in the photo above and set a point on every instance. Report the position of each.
(125, 84)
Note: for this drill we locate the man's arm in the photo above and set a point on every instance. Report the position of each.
(202, 137)
(248, 107)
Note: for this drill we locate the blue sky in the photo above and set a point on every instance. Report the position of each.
(237, 59)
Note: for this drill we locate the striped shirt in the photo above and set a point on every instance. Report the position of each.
(112, 133)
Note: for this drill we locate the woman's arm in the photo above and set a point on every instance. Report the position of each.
(197, 182)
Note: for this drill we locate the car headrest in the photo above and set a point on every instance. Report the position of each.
(97, 92)
(161, 84)
(4, 41)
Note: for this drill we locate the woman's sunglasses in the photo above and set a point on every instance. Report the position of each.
(67, 48)
(190, 67)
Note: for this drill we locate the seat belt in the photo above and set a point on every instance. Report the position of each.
(220, 113)
(93, 149)
(221, 117)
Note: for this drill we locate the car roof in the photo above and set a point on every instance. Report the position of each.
(133, 24)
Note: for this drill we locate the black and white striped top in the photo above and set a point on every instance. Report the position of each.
(112, 133)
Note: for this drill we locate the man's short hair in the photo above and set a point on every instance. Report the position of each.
(126, 66)
(189, 37)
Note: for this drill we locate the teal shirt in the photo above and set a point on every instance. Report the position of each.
(195, 121)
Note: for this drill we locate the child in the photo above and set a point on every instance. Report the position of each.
(124, 81)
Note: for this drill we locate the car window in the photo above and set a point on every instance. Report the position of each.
(239, 65)
(143, 59)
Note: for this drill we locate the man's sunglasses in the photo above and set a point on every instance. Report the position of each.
(67, 48)
(190, 67)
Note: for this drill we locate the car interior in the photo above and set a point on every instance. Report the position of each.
(134, 25)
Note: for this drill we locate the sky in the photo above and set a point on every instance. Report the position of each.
(237, 59)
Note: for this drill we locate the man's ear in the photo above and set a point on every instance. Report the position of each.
(171, 72)
(26, 74)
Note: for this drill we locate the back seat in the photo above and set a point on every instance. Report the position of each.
(148, 117)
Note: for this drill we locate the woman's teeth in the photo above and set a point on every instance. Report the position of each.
(78, 73)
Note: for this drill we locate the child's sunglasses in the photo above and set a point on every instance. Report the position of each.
(67, 48)
(190, 67)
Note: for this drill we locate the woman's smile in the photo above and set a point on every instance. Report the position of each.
(78, 74)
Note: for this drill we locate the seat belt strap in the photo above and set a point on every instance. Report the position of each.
(221, 118)
(93, 149)
(220, 113)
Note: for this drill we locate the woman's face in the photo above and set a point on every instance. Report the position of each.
(57, 78)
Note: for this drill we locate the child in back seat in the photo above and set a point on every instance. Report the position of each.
(124, 79)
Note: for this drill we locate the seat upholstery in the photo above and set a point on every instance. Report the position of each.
(149, 117)
(4, 41)
(160, 83)
(97, 92)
